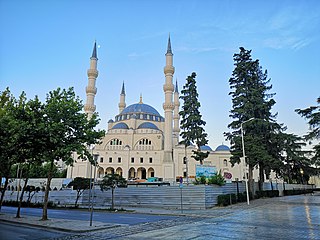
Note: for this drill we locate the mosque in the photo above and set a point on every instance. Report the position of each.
(140, 143)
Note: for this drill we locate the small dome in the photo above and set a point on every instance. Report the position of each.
(223, 148)
(206, 148)
(120, 125)
(148, 125)
(110, 121)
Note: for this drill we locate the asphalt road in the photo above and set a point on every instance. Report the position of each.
(9, 231)
(105, 217)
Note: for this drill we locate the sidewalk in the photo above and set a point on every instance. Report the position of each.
(216, 212)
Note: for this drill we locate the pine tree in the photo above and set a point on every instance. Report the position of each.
(191, 119)
(313, 115)
(249, 87)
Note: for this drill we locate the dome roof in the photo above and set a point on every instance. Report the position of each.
(206, 148)
(140, 108)
(120, 125)
(223, 148)
(148, 125)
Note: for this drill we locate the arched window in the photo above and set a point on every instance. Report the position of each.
(114, 144)
(225, 162)
(144, 144)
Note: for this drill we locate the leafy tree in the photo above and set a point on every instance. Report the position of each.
(40, 171)
(20, 134)
(312, 114)
(67, 130)
(295, 159)
(111, 181)
(249, 87)
(191, 119)
(79, 184)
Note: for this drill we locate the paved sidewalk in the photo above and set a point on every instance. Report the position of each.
(216, 212)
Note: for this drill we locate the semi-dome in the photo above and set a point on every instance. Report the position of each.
(148, 125)
(223, 148)
(120, 125)
(140, 108)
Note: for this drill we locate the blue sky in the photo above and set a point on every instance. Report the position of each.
(47, 44)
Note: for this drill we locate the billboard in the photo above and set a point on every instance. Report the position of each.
(204, 170)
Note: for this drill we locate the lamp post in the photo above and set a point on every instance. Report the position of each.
(95, 158)
(244, 159)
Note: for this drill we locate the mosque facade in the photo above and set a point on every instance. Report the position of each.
(141, 143)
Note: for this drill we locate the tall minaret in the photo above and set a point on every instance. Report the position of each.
(176, 128)
(91, 89)
(122, 103)
(168, 105)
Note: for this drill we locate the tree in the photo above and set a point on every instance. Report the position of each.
(191, 119)
(79, 184)
(20, 135)
(249, 87)
(312, 114)
(67, 130)
(295, 159)
(111, 181)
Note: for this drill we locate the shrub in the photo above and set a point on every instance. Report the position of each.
(267, 194)
(297, 191)
(217, 179)
(227, 199)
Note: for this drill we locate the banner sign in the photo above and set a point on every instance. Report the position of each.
(204, 170)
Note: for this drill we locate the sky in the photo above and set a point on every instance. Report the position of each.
(48, 44)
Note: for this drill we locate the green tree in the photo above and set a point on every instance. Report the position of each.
(79, 184)
(67, 130)
(312, 114)
(250, 99)
(191, 122)
(111, 181)
(20, 134)
(295, 159)
(8, 133)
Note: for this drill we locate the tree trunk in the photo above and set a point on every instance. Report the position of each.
(46, 195)
(112, 198)
(21, 198)
(3, 191)
(261, 176)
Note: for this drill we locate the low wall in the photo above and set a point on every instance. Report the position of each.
(168, 197)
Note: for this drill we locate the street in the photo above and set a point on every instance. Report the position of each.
(105, 217)
(290, 217)
(11, 231)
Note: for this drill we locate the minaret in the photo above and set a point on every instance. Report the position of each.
(176, 128)
(122, 103)
(91, 89)
(168, 105)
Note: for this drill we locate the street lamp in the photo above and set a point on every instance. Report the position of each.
(244, 159)
(95, 158)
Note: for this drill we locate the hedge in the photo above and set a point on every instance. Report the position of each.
(297, 191)
(267, 194)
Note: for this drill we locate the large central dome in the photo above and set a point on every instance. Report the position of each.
(140, 111)
(140, 108)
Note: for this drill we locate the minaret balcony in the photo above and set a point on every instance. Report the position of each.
(90, 89)
(168, 87)
(168, 70)
(168, 106)
(92, 73)
(89, 108)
